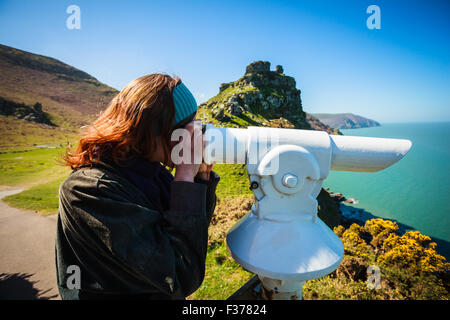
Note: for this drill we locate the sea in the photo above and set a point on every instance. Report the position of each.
(415, 191)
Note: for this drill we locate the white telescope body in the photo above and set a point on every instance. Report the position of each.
(282, 239)
(349, 153)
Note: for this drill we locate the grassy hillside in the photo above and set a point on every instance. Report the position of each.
(24, 135)
(70, 96)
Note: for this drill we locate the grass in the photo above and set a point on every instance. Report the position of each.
(223, 276)
(38, 171)
(233, 180)
(26, 168)
(42, 198)
(24, 135)
(230, 91)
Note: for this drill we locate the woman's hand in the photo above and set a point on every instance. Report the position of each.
(187, 171)
(204, 171)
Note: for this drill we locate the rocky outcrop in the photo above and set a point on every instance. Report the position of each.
(260, 98)
(339, 197)
(316, 124)
(24, 112)
(258, 67)
(328, 209)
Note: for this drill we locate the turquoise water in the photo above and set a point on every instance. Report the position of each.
(414, 191)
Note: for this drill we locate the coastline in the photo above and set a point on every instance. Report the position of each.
(350, 215)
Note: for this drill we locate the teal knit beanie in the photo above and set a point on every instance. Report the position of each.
(185, 104)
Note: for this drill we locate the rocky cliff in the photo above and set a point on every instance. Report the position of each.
(261, 97)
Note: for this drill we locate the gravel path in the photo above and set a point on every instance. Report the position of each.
(27, 253)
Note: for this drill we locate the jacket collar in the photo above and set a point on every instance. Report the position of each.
(141, 166)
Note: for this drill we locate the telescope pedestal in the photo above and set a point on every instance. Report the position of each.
(283, 240)
(272, 289)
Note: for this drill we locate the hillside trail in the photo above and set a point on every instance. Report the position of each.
(27, 253)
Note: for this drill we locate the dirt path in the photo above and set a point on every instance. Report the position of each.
(27, 253)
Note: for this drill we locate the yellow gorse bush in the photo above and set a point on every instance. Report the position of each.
(379, 230)
(351, 238)
(412, 250)
(339, 230)
(378, 226)
(420, 238)
(410, 266)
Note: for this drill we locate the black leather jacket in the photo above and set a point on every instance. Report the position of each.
(126, 244)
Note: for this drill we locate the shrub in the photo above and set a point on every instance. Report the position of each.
(354, 244)
(412, 250)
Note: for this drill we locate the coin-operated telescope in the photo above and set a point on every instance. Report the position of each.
(282, 239)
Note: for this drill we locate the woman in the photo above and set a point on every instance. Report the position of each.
(129, 227)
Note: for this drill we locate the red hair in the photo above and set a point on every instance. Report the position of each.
(130, 126)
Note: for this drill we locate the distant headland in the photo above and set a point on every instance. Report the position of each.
(345, 120)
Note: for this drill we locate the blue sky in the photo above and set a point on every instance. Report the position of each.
(400, 73)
